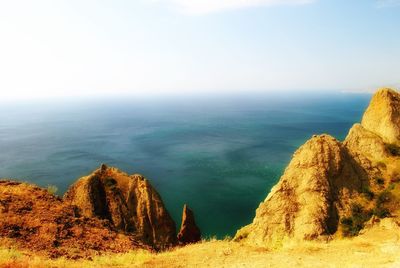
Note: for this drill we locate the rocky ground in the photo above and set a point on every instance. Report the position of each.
(108, 211)
(378, 246)
(33, 219)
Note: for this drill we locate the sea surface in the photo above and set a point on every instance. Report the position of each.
(219, 154)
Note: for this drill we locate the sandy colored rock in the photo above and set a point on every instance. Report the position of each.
(189, 232)
(128, 201)
(374, 142)
(383, 115)
(306, 204)
(364, 142)
(33, 219)
(325, 177)
(367, 148)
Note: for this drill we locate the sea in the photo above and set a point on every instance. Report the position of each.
(220, 154)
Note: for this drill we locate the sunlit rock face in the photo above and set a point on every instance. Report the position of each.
(382, 116)
(189, 232)
(128, 201)
(307, 201)
(326, 176)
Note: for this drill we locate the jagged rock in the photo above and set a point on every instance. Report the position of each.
(189, 232)
(306, 204)
(383, 115)
(128, 201)
(374, 143)
(325, 176)
(367, 148)
(33, 219)
(362, 141)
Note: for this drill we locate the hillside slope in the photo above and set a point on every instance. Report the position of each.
(331, 188)
(377, 247)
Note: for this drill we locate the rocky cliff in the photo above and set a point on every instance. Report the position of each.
(129, 202)
(106, 211)
(382, 116)
(33, 219)
(330, 185)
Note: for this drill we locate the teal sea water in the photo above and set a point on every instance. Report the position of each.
(221, 155)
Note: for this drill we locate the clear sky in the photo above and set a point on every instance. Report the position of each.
(85, 47)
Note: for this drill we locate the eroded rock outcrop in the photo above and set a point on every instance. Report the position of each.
(305, 203)
(189, 232)
(326, 180)
(365, 142)
(382, 116)
(33, 219)
(367, 148)
(129, 202)
(106, 211)
(377, 138)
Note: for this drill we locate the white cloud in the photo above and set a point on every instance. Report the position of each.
(387, 3)
(198, 7)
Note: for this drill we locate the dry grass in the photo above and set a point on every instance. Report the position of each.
(377, 247)
(14, 258)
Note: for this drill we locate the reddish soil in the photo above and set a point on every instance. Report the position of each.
(33, 219)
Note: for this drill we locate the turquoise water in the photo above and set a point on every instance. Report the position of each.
(221, 155)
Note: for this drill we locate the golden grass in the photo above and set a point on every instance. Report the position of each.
(14, 258)
(377, 248)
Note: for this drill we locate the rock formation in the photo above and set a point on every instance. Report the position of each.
(189, 232)
(106, 211)
(305, 204)
(326, 178)
(365, 142)
(33, 219)
(367, 148)
(129, 202)
(376, 140)
(382, 116)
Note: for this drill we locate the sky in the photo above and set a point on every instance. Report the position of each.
(155, 47)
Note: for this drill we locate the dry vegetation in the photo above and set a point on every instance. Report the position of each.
(380, 199)
(13, 258)
(35, 220)
(378, 246)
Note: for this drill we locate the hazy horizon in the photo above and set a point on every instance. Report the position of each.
(180, 98)
(185, 47)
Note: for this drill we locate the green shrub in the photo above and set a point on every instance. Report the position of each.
(359, 214)
(52, 189)
(368, 194)
(391, 186)
(382, 198)
(381, 212)
(356, 209)
(352, 225)
(347, 221)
